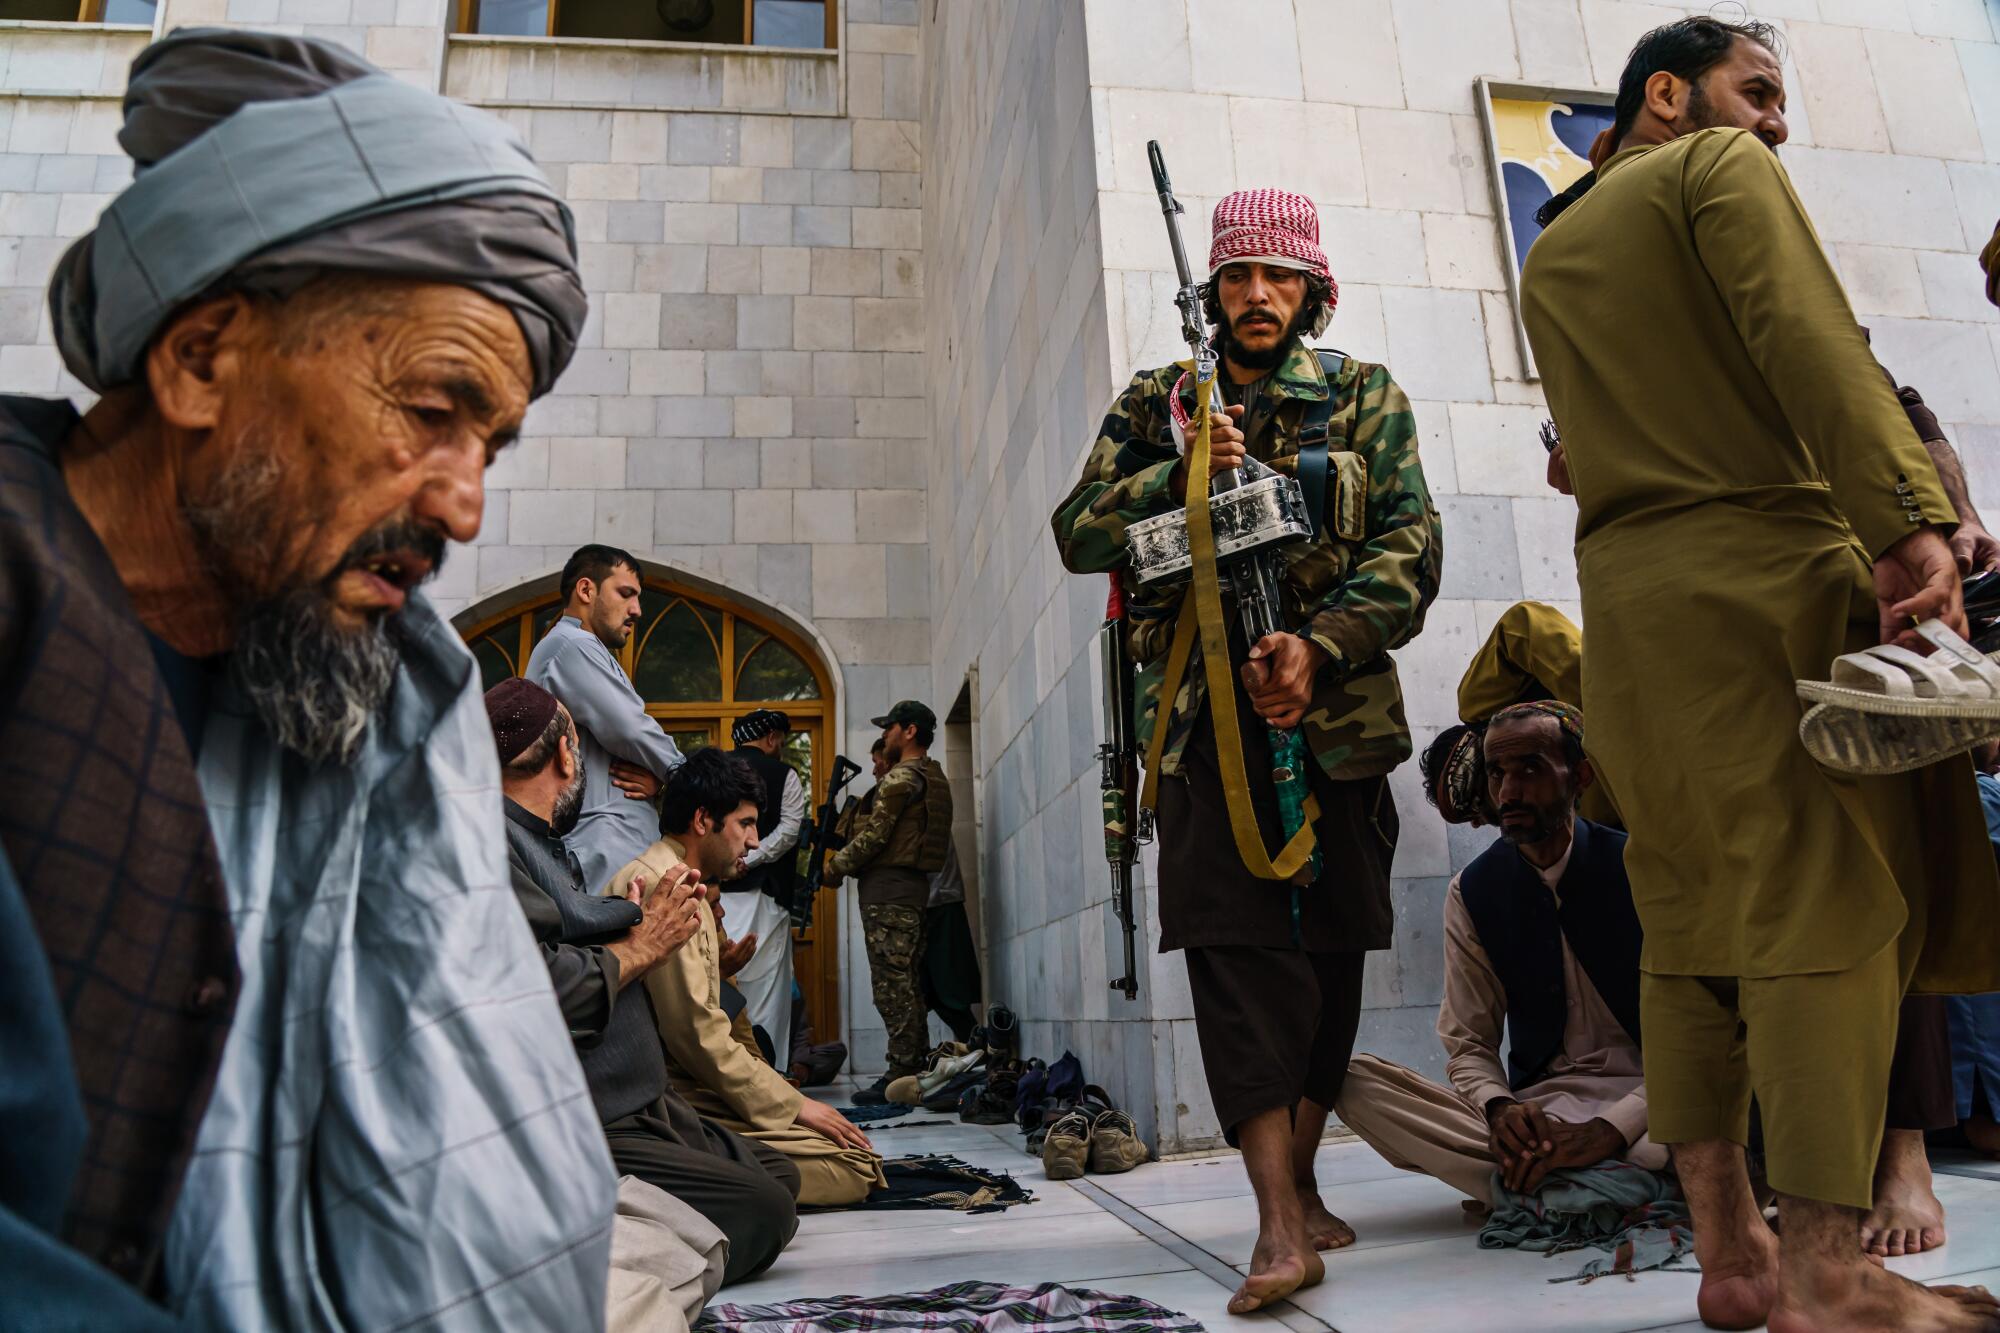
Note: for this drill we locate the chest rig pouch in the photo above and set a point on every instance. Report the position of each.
(1335, 484)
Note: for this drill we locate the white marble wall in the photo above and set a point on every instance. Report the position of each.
(1020, 370)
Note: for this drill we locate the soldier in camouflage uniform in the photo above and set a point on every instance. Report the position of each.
(1275, 969)
(898, 842)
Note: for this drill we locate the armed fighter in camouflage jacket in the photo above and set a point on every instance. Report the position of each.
(1357, 591)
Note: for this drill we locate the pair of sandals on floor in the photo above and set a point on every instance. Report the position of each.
(1890, 710)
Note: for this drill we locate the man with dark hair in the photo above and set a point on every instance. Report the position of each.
(1715, 394)
(1274, 965)
(1541, 940)
(895, 848)
(250, 861)
(760, 900)
(596, 947)
(1450, 767)
(708, 820)
(626, 755)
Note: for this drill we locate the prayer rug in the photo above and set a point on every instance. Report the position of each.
(962, 1307)
(941, 1182)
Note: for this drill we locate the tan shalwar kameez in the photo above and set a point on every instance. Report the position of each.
(720, 1072)
(1419, 1125)
(1739, 461)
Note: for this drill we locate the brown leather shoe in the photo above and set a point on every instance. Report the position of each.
(1115, 1145)
(1066, 1148)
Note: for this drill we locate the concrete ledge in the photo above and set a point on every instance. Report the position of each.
(593, 74)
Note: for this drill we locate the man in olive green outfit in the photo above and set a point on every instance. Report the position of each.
(1275, 968)
(896, 846)
(1752, 503)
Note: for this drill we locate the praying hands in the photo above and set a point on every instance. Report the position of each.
(1529, 1143)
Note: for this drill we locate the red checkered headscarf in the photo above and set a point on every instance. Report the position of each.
(1271, 227)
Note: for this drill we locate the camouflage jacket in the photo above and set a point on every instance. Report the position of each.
(1358, 591)
(904, 821)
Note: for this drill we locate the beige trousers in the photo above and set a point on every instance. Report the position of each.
(666, 1261)
(1419, 1125)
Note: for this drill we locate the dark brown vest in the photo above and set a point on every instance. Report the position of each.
(102, 820)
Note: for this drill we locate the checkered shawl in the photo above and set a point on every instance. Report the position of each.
(103, 822)
(1271, 227)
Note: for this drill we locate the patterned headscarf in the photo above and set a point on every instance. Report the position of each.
(1452, 770)
(757, 725)
(1274, 227)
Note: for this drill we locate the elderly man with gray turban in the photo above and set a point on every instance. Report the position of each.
(280, 1053)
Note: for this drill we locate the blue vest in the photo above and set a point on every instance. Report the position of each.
(1522, 931)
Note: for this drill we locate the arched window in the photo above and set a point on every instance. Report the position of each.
(700, 663)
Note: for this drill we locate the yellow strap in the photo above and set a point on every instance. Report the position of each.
(1201, 615)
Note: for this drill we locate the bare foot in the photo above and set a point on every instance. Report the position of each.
(1860, 1298)
(1907, 1217)
(1740, 1285)
(1278, 1267)
(1326, 1231)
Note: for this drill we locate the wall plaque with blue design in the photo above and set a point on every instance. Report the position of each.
(1538, 143)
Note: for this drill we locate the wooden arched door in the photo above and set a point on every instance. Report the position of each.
(700, 663)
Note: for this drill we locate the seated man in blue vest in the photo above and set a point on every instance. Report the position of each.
(1539, 936)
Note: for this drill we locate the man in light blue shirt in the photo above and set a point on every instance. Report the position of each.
(575, 662)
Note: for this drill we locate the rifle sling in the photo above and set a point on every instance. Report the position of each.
(1201, 616)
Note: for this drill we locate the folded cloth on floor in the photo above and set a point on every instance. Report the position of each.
(963, 1307)
(937, 1181)
(868, 1115)
(1635, 1214)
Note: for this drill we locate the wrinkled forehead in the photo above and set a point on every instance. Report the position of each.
(1518, 737)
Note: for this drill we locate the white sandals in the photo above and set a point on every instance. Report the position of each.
(1889, 710)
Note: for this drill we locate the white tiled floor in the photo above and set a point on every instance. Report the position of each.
(1176, 1232)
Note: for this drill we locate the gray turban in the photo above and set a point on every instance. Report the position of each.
(263, 161)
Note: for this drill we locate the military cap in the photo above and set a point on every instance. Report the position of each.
(908, 713)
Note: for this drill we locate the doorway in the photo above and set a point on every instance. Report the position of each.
(700, 662)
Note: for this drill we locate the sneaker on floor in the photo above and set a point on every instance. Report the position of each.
(875, 1094)
(1115, 1145)
(1066, 1147)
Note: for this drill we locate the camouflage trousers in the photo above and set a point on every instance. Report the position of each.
(894, 936)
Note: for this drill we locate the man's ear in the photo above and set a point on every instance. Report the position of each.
(1666, 94)
(1585, 776)
(190, 366)
(565, 760)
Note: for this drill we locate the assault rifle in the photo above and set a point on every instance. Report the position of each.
(1118, 758)
(819, 837)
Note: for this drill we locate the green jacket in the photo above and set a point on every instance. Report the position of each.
(1358, 591)
(908, 824)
